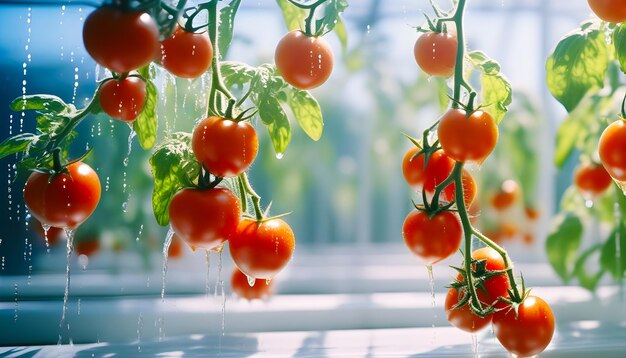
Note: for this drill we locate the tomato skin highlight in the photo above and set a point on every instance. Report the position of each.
(226, 148)
(205, 218)
(592, 180)
(67, 200)
(463, 318)
(432, 240)
(435, 53)
(609, 10)
(123, 99)
(240, 286)
(612, 149)
(261, 250)
(119, 40)
(467, 139)
(530, 332)
(187, 54)
(305, 62)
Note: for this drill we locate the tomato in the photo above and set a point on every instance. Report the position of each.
(532, 214)
(205, 218)
(87, 246)
(435, 53)
(413, 169)
(225, 147)
(123, 99)
(466, 138)
(175, 251)
(612, 149)
(305, 62)
(262, 249)
(463, 318)
(120, 40)
(469, 189)
(530, 332)
(54, 234)
(495, 286)
(506, 196)
(64, 201)
(432, 239)
(592, 180)
(609, 10)
(187, 54)
(241, 287)
(437, 170)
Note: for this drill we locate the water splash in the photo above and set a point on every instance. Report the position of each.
(207, 280)
(132, 135)
(16, 305)
(46, 228)
(78, 308)
(69, 249)
(475, 345)
(139, 331)
(2, 267)
(218, 280)
(139, 233)
(166, 248)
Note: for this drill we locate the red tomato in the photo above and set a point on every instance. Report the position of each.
(495, 286)
(438, 169)
(531, 213)
(413, 169)
(609, 10)
(612, 149)
(64, 201)
(87, 246)
(467, 139)
(120, 40)
(469, 189)
(175, 251)
(205, 218)
(305, 62)
(506, 196)
(261, 250)
(530, 332)
(241, 287)
(592, 179)
(225, 147)
(434, 239)
(187, 54)
(435, 53)
(463, 318)
(123, 99)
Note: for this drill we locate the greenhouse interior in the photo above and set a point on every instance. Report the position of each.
(313, 178)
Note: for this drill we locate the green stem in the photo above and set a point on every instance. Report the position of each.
(56, 160)
(256, 199)
(217, 84)
(242, 195)
(308, 23)
(441, 186)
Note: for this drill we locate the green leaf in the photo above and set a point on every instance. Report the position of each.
(225, 31)
(578, 65)
(497, 94)
(307, 112)
(442, 93)
(562, 244)
(609, 258)
(237, 73)
(332, 13)
(619, 41)
(566, 138)
(342, 35)
(174, 166)
(294, 16)
(146, 123)
(586, 280)
(275, 119)
(16, 144)
(39, 102)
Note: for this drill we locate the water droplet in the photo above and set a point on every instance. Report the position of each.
(69, 249)
(279, 156)
(268, 281)
(166, 248)
(251, 281)
(83, 261)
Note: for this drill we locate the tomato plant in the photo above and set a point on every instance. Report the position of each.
(435, 53)
(187, 54)
(467, 137)
(462, 317)
(241, 287)
(304, 61)
(123, 99)
(609, 10)
(432, 239)
(527, 330)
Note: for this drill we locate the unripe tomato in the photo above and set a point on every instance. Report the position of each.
(463, 318)
(305, 62)
(592, 179)
(262, 249)
(432, 239)
(225, 147)
(205, 218)
(612, 149)
(187, 54)
(609, 10)
(506, 196)
(123, 99)
(120, 40)
(467, 138)
(64, 201)
(241, 287)
(435, 53)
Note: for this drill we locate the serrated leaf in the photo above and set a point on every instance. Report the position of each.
(294, 16)
(225, 31)
(587, 280)
(578, 65)
(39, 102)
(146, 123)
(480, 60)
(497, 95)
(173, 167)
(237, 73)
(275, 119)
(562, 244)
(307, 112)
(619, 42)
(332, 13)
(609, 259)
(16, 144)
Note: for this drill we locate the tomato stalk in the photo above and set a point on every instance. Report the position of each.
(256, 198)
(217, 83)
(308, 23)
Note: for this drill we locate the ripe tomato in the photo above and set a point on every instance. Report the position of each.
(609, 10)
(469, 189)
(435, 53)
(530, 332)
(205, 218)
(612, 149)
(466, 138)
(506, 196)
(87, 246)
(262, 249)
(123, 99)
(463, 318)
(64, 201)
(175, 251)
(437, 170)
(54, 234)
(495, 286)
(592, 179)
(241, 287)
(434, 239)
(120, 40)
(305, 62)
(187, 54)
(413, 169)
(532, 214)
(225, 147)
